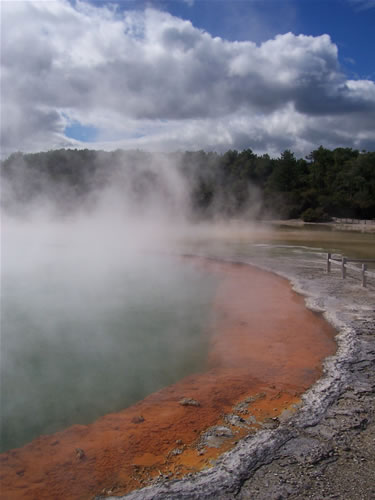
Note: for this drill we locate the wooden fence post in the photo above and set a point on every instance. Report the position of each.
(364, 276)
(343, 268)
(328, 263)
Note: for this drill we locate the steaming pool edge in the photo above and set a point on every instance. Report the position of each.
(252, 469)
(91, 469)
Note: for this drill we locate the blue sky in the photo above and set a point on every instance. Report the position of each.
(350, 23)
(188, 74)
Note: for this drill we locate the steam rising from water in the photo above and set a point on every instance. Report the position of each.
(96, 313)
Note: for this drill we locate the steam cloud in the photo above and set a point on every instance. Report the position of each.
(93, 302)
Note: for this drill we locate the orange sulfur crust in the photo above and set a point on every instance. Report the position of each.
(265, 345)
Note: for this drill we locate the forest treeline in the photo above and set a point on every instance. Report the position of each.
(327, 183)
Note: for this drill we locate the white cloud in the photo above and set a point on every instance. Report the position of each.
(148, 79)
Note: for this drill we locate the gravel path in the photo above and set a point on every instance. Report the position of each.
(326, 449)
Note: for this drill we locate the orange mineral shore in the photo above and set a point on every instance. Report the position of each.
(266, 349)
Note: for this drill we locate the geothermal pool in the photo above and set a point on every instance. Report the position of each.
(83, 337)
(102, 346)
(263, 349)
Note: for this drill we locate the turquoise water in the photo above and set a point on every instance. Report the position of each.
(80, 340)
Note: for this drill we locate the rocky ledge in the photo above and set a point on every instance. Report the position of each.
(327, 448)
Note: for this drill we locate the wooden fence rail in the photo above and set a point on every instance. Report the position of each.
(343, 263)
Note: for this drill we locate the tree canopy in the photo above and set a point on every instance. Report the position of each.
(339, 182)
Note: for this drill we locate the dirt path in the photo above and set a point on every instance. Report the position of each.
(266, 350)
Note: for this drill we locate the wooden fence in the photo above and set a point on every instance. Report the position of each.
(343, 262)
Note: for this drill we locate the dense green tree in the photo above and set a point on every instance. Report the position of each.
(339, 182)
